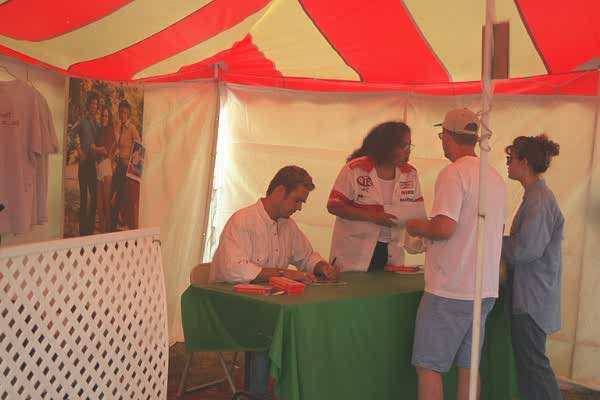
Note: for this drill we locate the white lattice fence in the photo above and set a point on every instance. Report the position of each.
(84, 318)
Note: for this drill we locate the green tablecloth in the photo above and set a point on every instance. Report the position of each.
(348, 342)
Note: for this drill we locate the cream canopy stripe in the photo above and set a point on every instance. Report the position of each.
(288, 37)
(130, 24)
(449, 26)
(201, 51)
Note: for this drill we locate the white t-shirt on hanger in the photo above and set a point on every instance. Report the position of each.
(21, 145)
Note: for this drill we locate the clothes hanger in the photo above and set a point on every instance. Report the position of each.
(8, 72)
(28, 81)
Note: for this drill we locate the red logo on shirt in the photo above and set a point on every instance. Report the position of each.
(364, 181)
(6, 120)
(406, 184)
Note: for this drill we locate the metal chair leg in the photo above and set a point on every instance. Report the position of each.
(234, 363)
(186, 370)
(227, 369)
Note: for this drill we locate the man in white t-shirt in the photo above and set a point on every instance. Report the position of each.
(443, 329)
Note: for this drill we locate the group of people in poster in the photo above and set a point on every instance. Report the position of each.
(110, 156)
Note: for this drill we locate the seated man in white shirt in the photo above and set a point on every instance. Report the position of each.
(260, 241)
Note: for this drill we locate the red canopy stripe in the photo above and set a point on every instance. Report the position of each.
(566, 33)
(378, 39)
(244, 57)
(215, 17)
(575, 84)
(37, 20)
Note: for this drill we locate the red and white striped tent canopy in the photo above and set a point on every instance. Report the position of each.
(346, 45)
(431, 47)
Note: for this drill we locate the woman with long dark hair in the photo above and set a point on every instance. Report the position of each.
(105, 147)
(374, 191)
(532, 254)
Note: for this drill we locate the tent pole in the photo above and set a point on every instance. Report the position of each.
(213, 159)
(487, 92)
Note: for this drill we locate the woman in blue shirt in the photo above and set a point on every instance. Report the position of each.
(532, 253)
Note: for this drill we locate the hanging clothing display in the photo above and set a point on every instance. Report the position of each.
(27, 137)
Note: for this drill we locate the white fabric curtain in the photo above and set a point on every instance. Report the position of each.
(585, 367)
(262, 130)
(179, 134)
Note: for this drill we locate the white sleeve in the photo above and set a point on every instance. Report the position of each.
(342, 192)
(232, 259)
(419, 200)
(36, 130)
(448, 196)
(303, 255)
(49, 138)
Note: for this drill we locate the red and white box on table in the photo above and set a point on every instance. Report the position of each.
(401, 268)
(290, 286)
(250, 288)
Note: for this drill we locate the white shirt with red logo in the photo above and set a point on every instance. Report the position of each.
(357, 184)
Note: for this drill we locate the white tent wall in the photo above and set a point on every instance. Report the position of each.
(179, 129)
(262, 130)
(179, 132)
(586, 357)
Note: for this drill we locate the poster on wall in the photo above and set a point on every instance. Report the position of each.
(103, 157)
(136, 162)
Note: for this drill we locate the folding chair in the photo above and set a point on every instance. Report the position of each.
(199, 276)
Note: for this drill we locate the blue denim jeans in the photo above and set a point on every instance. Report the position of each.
(257, 373)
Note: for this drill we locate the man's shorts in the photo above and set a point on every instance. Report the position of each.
(443, 332)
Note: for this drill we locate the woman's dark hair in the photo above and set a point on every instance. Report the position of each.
(91, 97)
(124, 104)
(110, 117)
(381, 141)
(537, 150)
